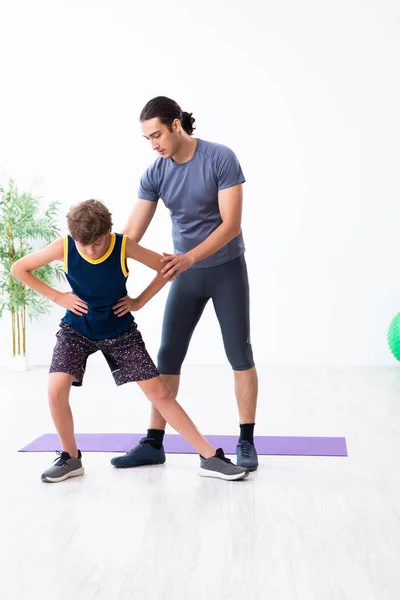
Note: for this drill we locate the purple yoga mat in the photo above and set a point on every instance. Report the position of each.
(175, 444)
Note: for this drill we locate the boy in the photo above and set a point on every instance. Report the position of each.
(99, 317)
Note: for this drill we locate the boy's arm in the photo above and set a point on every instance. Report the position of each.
(143, 255)
(153, 261)
(22, 270)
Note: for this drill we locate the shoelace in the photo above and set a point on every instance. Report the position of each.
(247, 449)
(60, 460)
(220, 454)
(142, 441)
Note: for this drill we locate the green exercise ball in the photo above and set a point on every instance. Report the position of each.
(393, 336)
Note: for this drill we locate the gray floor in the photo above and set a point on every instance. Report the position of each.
(298, 529)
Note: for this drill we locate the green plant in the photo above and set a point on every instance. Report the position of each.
(23, 221)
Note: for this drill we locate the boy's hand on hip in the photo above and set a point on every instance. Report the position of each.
(174, 264)
(126, 305)
(71, 302)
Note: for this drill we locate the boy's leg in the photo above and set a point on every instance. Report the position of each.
(129, 361)
(157, 422)
(162, 399)
(68, 365)
(59, 389)
(213, 462)
(67, 368)
(69, 463)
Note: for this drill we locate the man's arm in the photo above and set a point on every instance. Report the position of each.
(140, 219)
(153, 261)
(22, 270)
(230, 206)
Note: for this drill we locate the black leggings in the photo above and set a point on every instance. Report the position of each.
(228, 287)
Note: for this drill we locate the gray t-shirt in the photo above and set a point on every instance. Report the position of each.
(190, 192)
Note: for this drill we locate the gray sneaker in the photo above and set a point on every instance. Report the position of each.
(221, 467)
(64, 467)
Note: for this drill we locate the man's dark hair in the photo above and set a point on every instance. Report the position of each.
(167, 111)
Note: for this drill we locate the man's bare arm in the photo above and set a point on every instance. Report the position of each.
(140, 219)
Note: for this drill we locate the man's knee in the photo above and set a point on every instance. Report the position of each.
(170, 359)
(240, 357)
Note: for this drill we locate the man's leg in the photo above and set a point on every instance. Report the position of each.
(182, 313)
(185, 305)
(246, 391)
(230, 295)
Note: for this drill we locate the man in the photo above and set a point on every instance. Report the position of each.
(201, 184)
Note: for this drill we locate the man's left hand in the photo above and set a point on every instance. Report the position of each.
(174, 265)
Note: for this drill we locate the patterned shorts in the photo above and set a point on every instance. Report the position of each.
(125, 354)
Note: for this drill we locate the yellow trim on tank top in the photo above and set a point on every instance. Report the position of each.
(96, 261)
(65, 254)
(123, 256)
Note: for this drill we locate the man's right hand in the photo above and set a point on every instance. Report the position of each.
(71, 302)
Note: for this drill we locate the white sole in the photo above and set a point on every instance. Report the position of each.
(216, 475)
(75, 473)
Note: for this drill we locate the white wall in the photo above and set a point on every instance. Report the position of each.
(306, 93)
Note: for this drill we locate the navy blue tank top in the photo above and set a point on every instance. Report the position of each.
(100, 283)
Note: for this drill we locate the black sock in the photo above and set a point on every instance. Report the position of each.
(155, 437)
(246, 432)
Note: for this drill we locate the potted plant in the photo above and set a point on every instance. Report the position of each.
(24, 222)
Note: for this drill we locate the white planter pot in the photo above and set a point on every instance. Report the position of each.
(18, 363)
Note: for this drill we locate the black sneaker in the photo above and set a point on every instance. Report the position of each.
(142, 454)
(246, 455)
